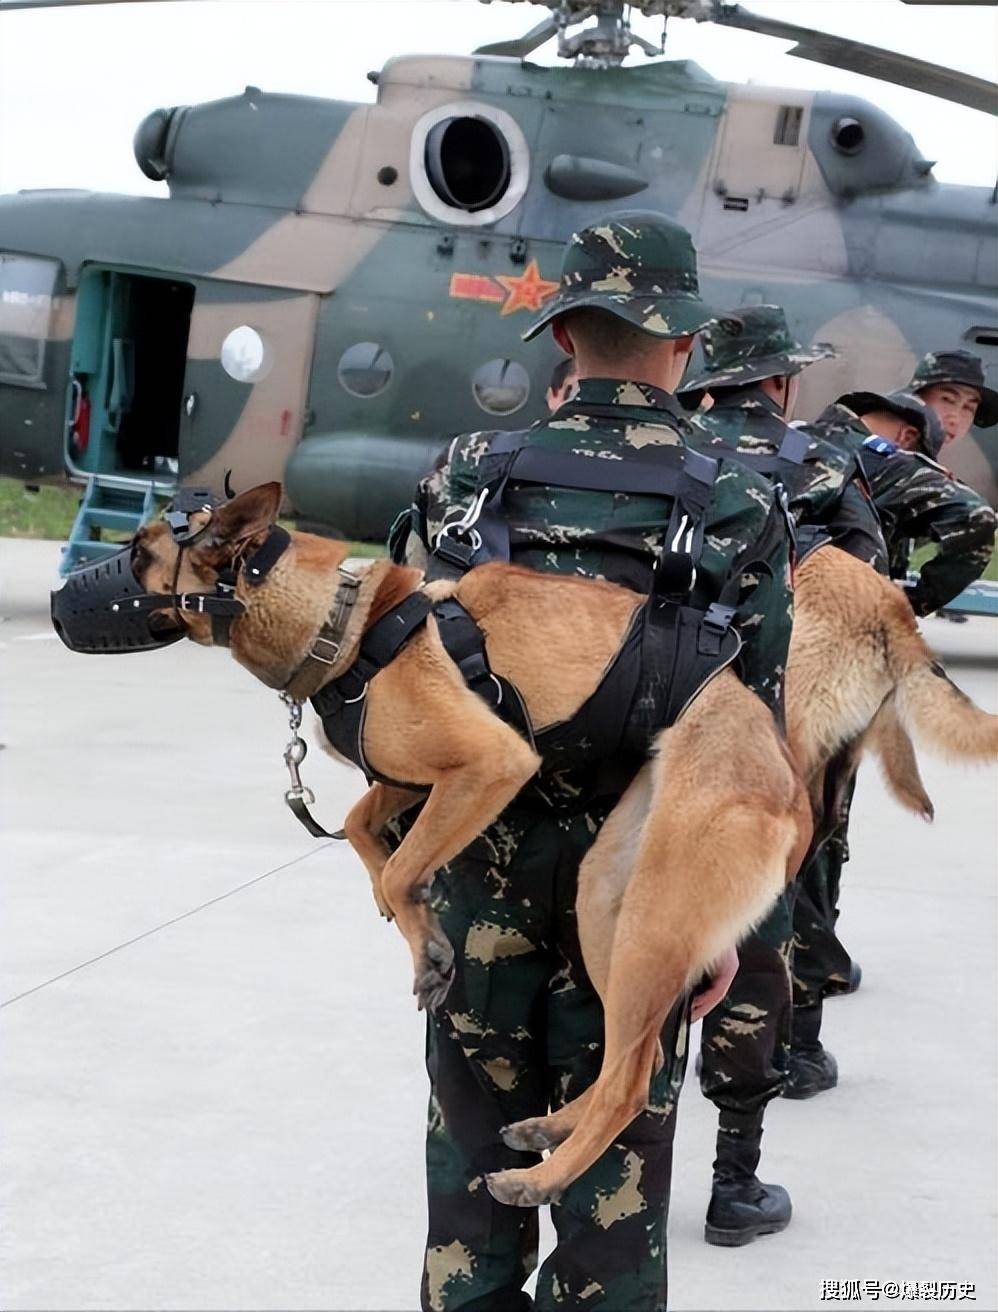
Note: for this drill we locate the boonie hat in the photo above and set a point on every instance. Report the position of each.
(912, 409)
(749, 345)
(638, 265)
(961, 367)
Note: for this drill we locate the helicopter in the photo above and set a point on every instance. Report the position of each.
(330, 290)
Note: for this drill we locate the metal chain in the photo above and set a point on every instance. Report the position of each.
(295, 753)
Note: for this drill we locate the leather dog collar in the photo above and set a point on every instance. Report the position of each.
(327, 645)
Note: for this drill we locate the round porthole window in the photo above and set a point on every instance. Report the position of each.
(501, 386)
(365, 369)
(245, 355)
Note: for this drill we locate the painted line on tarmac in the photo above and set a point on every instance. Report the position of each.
(175, 920)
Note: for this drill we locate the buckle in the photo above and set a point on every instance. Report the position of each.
(718, 618)
(325, 642)
(455, 552)
(187, 600)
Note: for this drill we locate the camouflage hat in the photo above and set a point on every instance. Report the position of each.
(912, 409)
(749, 345)
(961, 367)
(638, 265)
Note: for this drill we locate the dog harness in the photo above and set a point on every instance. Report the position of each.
(671, 650)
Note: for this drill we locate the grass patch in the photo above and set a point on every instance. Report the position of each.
(919, 557)
(49, 513)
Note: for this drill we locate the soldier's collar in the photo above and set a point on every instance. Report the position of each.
(749, 396)
(629, 396)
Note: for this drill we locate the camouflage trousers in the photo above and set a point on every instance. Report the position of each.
(521, 1031)
(821, 965)
(745, 1040)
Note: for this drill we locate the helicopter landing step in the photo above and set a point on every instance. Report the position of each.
(119, 506)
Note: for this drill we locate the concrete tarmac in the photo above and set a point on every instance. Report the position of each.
(213, 1095)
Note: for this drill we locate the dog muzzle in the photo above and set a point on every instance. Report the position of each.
(103, 609)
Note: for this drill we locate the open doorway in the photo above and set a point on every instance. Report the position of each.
(128, 365)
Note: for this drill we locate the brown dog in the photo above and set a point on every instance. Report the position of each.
(705, 837)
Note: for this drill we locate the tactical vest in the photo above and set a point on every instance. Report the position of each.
(781, 466)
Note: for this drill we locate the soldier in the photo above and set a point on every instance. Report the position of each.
(952, 383)
(752, 368)
(917, 499)
(752, 371)
(897, 437)
(522, 1028)
(563, 386)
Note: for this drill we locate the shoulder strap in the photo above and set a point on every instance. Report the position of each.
(379, 647)
(684, 475)
(794, 446)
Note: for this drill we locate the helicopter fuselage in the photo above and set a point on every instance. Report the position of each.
(332, 290)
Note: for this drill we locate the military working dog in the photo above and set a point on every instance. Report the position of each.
(710, 830)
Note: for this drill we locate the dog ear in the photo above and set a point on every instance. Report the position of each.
(247, 515)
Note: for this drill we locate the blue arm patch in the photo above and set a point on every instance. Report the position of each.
(881, 445)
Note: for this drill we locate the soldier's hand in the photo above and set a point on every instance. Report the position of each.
(710, 994)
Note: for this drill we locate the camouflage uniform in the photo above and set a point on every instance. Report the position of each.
(745, 1041)
(916, 499)
(826, 489)
(522, 1027)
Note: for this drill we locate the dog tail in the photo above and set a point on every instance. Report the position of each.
(888, 739)
(941, 716)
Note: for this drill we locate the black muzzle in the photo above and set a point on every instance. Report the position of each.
(104, 609)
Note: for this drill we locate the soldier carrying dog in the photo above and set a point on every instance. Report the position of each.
(898, 438)
(752, 368)
(521, 1030)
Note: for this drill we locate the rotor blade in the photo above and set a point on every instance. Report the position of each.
(64, 4)
(521, 46)
(949, 2)
(855, 57)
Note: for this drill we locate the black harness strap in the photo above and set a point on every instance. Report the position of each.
(222, 606)
(341, 704)
(683, 475)
(464, 643)
(258, 566)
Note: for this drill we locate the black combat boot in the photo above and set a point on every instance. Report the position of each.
(851, 985)
(812, 1069)
(741, 1207)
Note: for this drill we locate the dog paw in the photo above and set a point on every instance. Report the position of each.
(436, 976)
(519, 1189)
(529, 1136)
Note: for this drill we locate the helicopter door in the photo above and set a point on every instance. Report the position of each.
(127, 372)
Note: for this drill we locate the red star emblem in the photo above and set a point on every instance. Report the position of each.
(529, 291)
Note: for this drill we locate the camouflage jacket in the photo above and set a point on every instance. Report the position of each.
(618, 536)
(918, 501)
(826, 490)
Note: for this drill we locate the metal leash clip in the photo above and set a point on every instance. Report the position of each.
(295, 753)
(298, 797)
